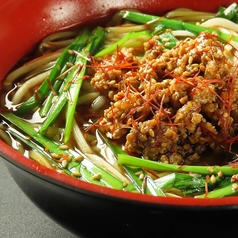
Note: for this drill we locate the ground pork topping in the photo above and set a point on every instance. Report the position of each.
(170, 105)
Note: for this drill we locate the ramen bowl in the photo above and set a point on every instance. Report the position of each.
(89, 210)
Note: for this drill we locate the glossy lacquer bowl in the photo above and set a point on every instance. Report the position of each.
(85, 209)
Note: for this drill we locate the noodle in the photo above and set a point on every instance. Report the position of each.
(185, 14)
(224, 25)
(30, 66)
(101, 162)
(5, 137)
(56, 41)
(87, 98)
(98, 103)
(33, 82)
(80, 140)
(221, 22)
(40, 159)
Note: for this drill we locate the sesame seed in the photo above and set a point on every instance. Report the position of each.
(124, 184)
(165, 39)
(138, 173)
(63, 147)
(190, 60)
(69, 64)
(211, 170)
(225, 114)
(70, 52)
(234, 178)
(75, 172)
(55, 156)
(213, 179)
(94, 142)
(141, 176)
(151, 132)
(235, 186)
(78, 158)
(64, 163)
(97, 176)
(220, 174)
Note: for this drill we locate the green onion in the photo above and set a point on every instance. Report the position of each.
(188, 184)
(230, 13)
(207, 170)
(17, 134)
(173, 24)
(59, 69)
(95, 42)
(112, 48)
(99, 175)
(168, 40)
(72, 85)
(83, 169)
(32, 132)
(47, 104)
(228, 190)
(152, 187)
(136, 174)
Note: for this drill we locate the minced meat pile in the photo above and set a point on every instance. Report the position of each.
(170, 105)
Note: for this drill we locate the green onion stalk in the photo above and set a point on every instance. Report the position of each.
(165, 23)
(77, 166)
(55, 76)
(223, 174)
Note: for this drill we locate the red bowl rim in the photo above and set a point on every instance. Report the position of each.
(30, 166)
